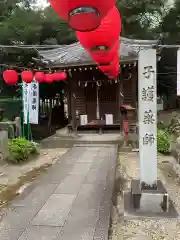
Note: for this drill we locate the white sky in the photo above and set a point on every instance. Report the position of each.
(42, 3)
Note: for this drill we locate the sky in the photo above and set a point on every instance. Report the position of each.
(42, 3)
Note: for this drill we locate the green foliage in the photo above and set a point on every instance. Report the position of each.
(174, 127)
(21, 149)
(163, 141)
(23, 23)
(161, 125)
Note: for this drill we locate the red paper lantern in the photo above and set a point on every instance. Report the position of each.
(111, 70)
(103, 37)
(27, 76)
(82, 15)
(10, 77)
(49, 78)
(106, 57)
(59, 76)
(39, 77)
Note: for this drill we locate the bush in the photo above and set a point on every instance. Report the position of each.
(161, 125)
(163, 141)
(21, 149)
(174, 126)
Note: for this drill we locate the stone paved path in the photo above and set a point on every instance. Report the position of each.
(70, 202)
(146, 229)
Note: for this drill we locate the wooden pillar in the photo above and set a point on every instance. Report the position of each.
(73, 105)
(134, 86)
(118, 100)
(69, 102)
(121, 97)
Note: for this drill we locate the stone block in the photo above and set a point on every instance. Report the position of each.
(71, 184)
(3, 144)
(15, 222)
(40, 233)
(55, 210)
(81, 168)
(37, 197)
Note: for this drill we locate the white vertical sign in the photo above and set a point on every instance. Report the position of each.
(26, 93)
(34, 103)
(147, 97)
(178, 73)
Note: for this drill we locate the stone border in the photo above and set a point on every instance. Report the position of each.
(103, 223)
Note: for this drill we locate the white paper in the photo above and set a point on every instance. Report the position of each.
(26, 93)
(178, 73)
(34, 103)
(147, 116)
(83, 120)
(109, 119)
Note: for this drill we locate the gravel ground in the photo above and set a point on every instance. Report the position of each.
(121, 229)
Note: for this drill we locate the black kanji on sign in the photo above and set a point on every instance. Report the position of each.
(148, 94)
(33, 107)
(34, 86)
(148, 117)
(34, 93)
(148, 139)
(34, 100)
(148, 70)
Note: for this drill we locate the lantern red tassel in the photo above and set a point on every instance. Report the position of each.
(104, 37)
(10, 77)
(27, 76)
(39, 77)
(59, 76)
(49, 78)
(82, 15)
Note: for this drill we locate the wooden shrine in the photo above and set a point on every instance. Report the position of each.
(94, 101)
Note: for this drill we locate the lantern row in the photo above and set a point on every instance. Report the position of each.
(11, 77)
(98, 27)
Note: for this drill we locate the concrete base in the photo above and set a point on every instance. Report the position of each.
(151, 203)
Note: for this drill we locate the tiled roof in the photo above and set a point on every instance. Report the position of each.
(74, 54)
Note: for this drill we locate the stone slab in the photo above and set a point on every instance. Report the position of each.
(15, 222)
(40, 233)
(55, 211)
(89, 197)
(56, 173)
(37, 197)
(131, 213)
(96, 176)
(71, 184)
(81, 168)
(85, 233)
(71, 205)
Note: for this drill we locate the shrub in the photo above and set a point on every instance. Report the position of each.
(161, 125)
(21, 149)
(163, 141)
(174, 126)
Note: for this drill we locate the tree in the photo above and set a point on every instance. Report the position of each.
(141, 18)
(21, 22)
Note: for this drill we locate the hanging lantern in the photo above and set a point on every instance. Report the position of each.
(106, 57)
(39, 77)
(59, 76)
(104, 37)
(10, 77)
(111, 70)
(27, 76)
(49, 78)
(82, 15)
